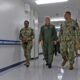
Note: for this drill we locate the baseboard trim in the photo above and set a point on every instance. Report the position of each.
(15, 65)
(11, 66)
(34, 58)
(40, 53)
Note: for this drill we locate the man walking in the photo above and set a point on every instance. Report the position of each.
(48, 37)
(68, 38)
(27, 36)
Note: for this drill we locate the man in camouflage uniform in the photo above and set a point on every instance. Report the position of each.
(27, 36)
(68, 38)
(48, 37)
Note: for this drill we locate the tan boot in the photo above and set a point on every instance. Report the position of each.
(27, 64)
(64, 62)
(71, 67)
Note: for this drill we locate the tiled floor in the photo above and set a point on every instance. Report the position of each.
(38, 71)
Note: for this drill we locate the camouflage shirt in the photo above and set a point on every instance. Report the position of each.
(27, 34)
(69, 31)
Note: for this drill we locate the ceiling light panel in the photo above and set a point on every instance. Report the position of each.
(57, 19)
(40, 2)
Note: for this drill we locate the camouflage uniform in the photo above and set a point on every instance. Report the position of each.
(68, 37)
(27, 34)
(48, 35)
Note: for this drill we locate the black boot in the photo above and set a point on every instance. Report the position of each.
(63, 63)
(27, 65)
(49, 66)
(71, 67)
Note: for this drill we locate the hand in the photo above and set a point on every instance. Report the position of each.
(24, 40)
(55, 42)
(77, 45)
(41, 42)
(28, 39)
(58, 41)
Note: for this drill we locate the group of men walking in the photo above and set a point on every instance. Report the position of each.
(68, 36)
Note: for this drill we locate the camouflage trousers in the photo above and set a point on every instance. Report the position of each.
(27, 51)
(67, 49)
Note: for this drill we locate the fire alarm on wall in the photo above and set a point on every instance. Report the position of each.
(57, 14)
(27, 8)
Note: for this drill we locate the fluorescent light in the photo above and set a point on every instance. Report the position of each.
(39, 2)
(57, 27)
(36, 21)
(57, 19)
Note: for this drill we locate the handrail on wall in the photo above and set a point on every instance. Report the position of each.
(9, 42)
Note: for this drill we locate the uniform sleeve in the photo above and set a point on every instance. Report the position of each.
(55, 34)
(33, 35)
(41, 34)
(20, 35)
(77, 32)
(60, 33)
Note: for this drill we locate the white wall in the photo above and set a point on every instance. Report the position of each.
(12, 16)
(34, 24)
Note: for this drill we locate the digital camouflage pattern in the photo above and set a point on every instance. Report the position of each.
(28, 35)
(68, 37)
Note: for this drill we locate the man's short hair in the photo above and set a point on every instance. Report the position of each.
(47, 17)
(26, 21)
(68, 12)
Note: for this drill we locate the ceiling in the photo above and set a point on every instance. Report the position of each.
(57, 9)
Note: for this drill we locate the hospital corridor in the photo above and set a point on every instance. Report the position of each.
(39, 39)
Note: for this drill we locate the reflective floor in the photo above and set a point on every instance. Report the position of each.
(38, 71)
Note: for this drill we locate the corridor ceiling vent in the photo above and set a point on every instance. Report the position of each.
(41, 2)
(59, 19)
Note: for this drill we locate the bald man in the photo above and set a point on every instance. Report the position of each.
(48, 37)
